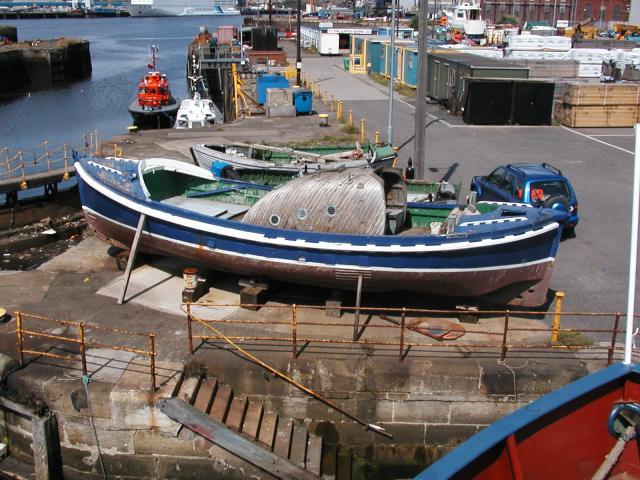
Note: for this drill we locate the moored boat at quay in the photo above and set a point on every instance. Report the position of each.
(298, 160)
(327, 229)
(154, 106)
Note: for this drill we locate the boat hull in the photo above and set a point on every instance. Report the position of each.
(237, 248)
(562, 435)
(177, 11)
(161, 117)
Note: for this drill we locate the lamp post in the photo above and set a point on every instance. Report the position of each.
(298, 52)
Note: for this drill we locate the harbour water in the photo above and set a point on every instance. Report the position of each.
(119, 53)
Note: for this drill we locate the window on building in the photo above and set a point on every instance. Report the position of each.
(588, 11)
(562, 9)
(532, 8)
(410, 62)
(617, 10)
(546, 8)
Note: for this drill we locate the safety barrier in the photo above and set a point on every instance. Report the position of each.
(300, 327)
(79, 339)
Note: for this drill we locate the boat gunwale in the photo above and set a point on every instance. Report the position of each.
(385, 244)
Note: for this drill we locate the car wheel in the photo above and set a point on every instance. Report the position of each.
(557, 201)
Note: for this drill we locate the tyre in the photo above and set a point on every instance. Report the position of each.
(558, 202)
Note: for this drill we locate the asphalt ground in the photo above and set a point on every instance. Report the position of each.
(592, 267)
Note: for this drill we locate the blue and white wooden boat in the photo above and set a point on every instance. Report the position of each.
(327, 229)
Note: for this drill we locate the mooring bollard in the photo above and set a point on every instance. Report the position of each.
(376, 137)
(324, 120)
(350, 122)
(325, 98)
(332, 104)
(363, 133)
(340, 113)
(555, 329)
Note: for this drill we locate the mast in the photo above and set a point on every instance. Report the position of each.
(631, 294)
(419, 154)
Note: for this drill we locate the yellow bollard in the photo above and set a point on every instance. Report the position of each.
(325, 98)
(340, 112)
(331, 108)
(350, 122)
(363, 133)
(556, 317)
(376, 137)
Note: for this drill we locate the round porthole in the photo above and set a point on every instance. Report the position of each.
(331, 210)
(274, 220)
(302, 213)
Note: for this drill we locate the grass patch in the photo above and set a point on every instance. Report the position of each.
(574, 339)
(405, 90)
(380, 79)
(349, 129)
(326, 139)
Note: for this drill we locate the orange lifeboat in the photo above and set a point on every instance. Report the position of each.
(154, 106)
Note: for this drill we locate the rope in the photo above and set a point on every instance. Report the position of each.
(612, 458)
(85, 381)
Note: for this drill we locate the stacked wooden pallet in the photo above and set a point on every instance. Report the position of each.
(599, 105)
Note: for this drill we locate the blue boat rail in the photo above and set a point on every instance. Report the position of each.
(502, 333)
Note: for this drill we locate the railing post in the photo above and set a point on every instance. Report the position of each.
(189, 332)
(46, 154)
(82, 348)
(65, 176)
(152, 353)
(503, 354)
(401, 352)
(556, 317)
(294, 331)
(19, 333)
(613, 339)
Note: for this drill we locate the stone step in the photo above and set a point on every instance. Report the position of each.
(268, 429)
(206, 394)
(237, 412)
(253, 418)
(189, 389)
(313, 461)
(329, 464)
(298, 450)
(343, 469)
(221, 403)
(282, 444)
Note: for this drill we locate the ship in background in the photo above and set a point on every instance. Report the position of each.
(181, 8)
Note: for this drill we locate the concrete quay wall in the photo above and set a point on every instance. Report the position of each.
(41, 65)
(429, 405)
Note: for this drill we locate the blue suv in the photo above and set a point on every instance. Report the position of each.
(538, 184)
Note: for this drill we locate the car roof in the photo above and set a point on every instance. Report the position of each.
(537, 170)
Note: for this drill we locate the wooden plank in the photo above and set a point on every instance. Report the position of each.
(313, 461)
(237, 411)
(221, 403)
(586, 94)
(252, 420)
(132, 258)
(231, 441)
(343, 470)
(282, 446)
(46, 448)
(206, 393)
(299, 444)
(268, 429)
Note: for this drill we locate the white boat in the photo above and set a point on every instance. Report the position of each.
(178, 8)
(466, 16)
(195, 112)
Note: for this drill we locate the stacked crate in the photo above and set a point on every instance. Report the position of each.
(599, 105)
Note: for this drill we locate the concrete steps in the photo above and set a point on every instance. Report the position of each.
(289, 439)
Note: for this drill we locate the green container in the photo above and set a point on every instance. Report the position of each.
(345, 62)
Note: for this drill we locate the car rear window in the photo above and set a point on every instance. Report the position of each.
(540, 191)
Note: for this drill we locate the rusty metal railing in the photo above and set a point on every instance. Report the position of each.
(395, 335)
(80, 340)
